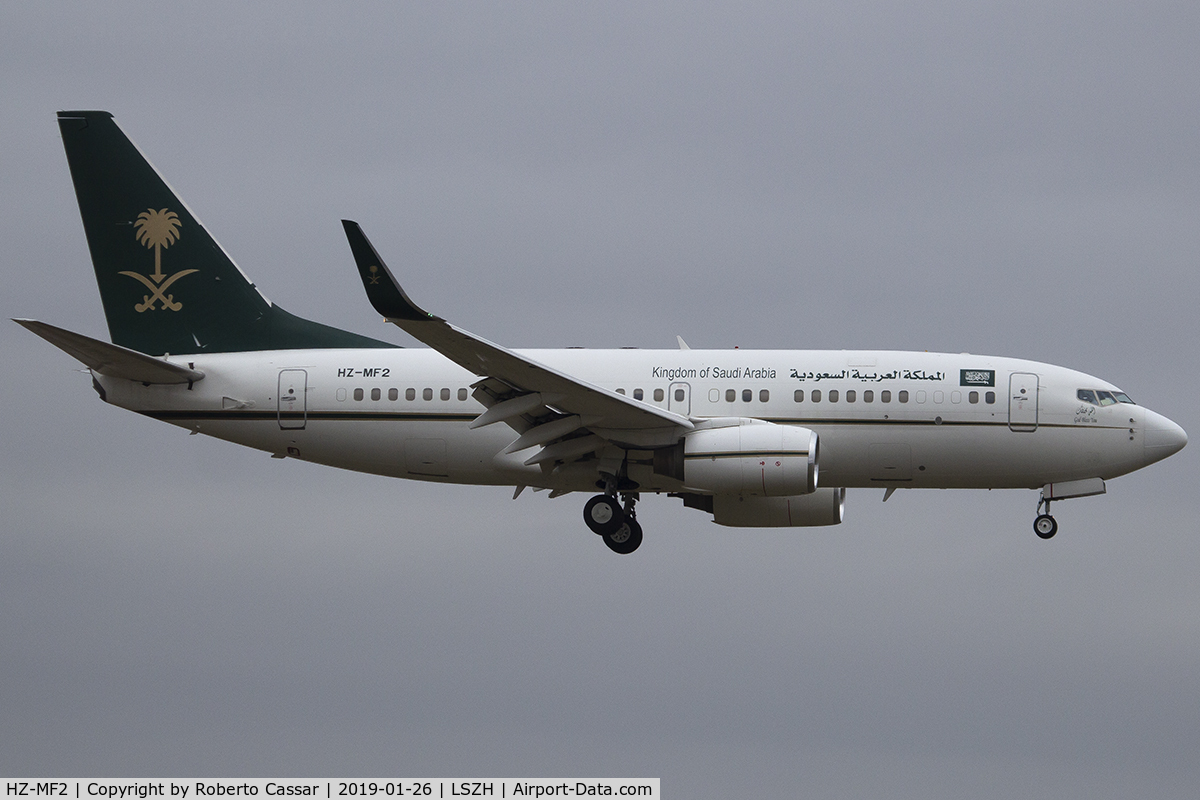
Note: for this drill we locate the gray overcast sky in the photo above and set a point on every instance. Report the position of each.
(1009, 178)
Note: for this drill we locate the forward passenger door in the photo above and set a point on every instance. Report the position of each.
(1023, 401)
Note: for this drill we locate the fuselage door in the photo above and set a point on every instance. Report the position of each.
(679, 398)
(1023, 401)
(293, 399)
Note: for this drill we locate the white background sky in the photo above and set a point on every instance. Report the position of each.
(1006, 178)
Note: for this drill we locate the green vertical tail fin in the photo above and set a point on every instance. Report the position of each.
(166, 285)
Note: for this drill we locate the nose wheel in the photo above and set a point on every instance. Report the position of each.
(1044, 525)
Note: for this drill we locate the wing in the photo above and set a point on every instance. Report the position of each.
(568, 416)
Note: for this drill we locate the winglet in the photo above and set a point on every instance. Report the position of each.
(383, 290)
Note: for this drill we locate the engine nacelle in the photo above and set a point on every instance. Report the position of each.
(822, 507)
(751, 458)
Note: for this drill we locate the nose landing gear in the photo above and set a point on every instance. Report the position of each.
(1044, 526)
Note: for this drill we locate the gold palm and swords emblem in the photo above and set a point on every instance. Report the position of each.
(159, 230)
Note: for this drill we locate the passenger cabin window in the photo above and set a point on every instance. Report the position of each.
(833, 395)
(851, 395)
(620, 391)
(764, 396)
(798, 395)
(868, 396)
(358, 394)
(989, 398)
(680, 394)
(816, 395)
(375, 395)
(903, 396)
(973, 397)
(462, 394)
(885, 396)
(658, 395)
(637, 394)
(747, 395)
(445, 394)
(393, 394)
(427, 394)
(730, 395)
(410, 394)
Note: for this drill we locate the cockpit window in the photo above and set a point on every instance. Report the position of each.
(1100, 397)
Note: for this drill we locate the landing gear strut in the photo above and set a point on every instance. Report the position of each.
(1044, 526)
(628, 537)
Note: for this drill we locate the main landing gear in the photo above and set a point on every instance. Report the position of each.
(616, 525)
(1044, 526)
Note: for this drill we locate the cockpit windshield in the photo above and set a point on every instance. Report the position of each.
(1101, 397)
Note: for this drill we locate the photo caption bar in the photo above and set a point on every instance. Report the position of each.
(197, 789)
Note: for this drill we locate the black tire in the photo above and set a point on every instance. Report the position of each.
(603, 514)
(1045, 526)
(626, 538)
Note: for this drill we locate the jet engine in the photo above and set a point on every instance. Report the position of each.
(822, 507)
(751, 457)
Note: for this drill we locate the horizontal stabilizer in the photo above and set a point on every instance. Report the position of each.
(112, 359)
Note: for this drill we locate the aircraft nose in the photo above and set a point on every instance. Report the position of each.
(1163, 437)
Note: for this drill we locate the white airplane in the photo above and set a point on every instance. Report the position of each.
(755, 438)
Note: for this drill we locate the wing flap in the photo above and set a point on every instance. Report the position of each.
(517, 406)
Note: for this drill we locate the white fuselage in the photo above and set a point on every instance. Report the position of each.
(884, 418)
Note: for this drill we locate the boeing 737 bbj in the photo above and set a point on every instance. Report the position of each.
(754, 438)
